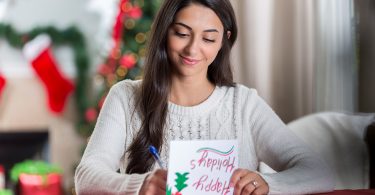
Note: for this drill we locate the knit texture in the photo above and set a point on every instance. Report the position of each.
(228, 113)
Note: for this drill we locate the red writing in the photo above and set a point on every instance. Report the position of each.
(214, 163)
(212, 185)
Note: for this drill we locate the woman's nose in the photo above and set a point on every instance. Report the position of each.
(192, 47)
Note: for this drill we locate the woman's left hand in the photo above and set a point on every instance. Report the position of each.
(248, 182)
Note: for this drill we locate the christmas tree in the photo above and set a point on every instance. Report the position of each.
(125, 60)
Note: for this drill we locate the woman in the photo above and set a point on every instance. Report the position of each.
(188, 93)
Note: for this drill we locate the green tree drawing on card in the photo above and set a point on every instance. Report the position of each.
(180, 181)
(169, 190)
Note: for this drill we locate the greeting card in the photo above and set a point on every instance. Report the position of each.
(201, 167)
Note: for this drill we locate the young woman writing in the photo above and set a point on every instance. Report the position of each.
(188, 93)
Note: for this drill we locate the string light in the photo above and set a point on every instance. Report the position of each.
(140, 38)
(126, 7)
(116, 54)
(130, 23)
(98, 81)
(122, 71)
(111, 80)
(142, 52)
(140, 3)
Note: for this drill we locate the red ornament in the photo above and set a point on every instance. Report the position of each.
(128, 61)
(104, 69)
(135, 12)
(91, 114)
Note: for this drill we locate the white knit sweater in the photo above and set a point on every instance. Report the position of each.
(229, 113)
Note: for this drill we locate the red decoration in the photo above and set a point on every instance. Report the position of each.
(40, 185)
(91, 114)
(58, 87)
(118, 28)
(2, 83)
(135, 12)
(128, 61)
(104, 69)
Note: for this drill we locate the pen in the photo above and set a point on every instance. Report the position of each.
(154, 153)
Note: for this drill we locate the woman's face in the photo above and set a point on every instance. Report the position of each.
(194, 39)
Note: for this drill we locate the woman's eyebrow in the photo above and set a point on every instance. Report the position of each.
(188, 27)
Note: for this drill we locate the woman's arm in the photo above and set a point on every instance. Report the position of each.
(300, 170)
(97, 171)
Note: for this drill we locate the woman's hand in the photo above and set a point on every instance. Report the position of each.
(155, 183)
(248, 182)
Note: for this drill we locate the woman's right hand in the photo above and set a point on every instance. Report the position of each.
(155, 183)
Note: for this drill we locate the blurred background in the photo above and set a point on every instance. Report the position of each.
(58, 60)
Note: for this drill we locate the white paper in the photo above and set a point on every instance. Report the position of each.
(201, 167)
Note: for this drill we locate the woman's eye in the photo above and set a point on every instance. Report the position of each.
(181, 34)
(209, 40)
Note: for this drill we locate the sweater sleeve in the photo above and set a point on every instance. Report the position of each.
(97, 171)
(299, 169)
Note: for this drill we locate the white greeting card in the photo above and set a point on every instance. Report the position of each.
(201, 167)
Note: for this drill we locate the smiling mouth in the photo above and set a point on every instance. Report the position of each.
(189, 61)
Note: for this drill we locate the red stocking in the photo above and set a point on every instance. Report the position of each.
(58, 87)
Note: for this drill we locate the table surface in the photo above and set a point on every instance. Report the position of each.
(351, 192)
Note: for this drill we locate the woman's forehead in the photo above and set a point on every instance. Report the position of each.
(197, 16)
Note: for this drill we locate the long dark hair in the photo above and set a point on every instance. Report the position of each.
(153, 95)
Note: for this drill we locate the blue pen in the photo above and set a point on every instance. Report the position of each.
(155, 153)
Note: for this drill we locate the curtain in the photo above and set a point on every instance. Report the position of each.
(336, 56)
(299, 55)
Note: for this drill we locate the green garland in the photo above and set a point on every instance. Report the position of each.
(71, 36)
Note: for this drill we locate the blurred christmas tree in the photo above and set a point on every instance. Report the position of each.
(125, 60)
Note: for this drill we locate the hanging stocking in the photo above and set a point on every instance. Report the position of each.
(2, 83)
(38, 53)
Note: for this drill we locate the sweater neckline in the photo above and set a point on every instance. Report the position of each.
(198, 109)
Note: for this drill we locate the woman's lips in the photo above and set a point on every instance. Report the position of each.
(189, 61)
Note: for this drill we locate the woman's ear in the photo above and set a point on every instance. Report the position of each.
(228, 34)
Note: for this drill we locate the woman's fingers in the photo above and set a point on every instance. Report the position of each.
(155, 183)
(161, 176)
(248, 189)
(240, 178)
(248, 182)
(263, 189)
